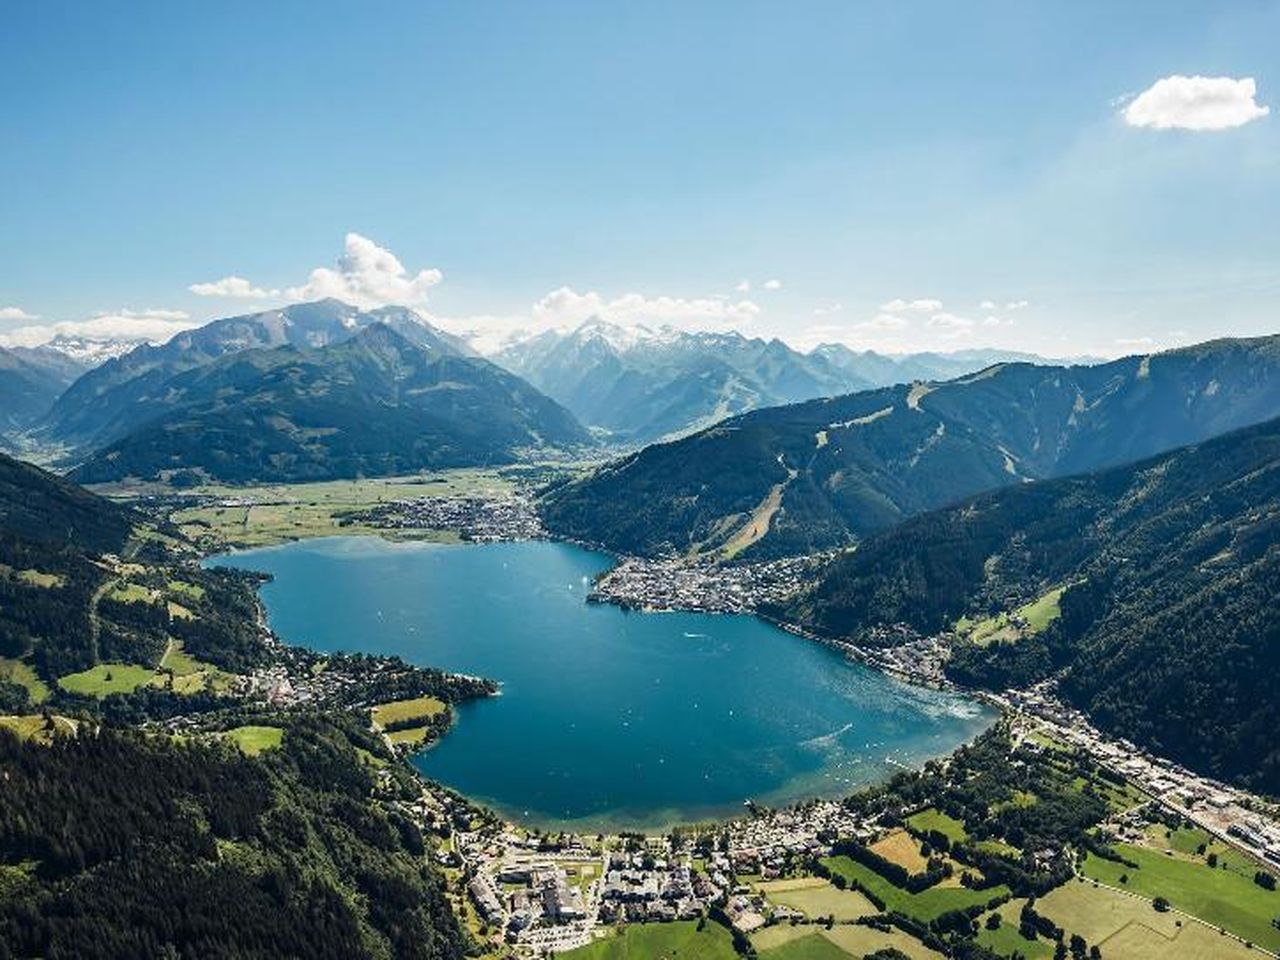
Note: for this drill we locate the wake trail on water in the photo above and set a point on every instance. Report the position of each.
(827, 738)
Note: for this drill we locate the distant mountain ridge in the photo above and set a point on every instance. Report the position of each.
(823, 473)
(393, 397)
(31, 380)
(99, 406)
(641, 384)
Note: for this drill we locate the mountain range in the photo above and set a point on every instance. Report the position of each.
(31, 379)
(638, 384)
(1159, 577)
(347, 394)
(821, 474)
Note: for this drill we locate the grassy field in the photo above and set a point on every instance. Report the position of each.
(126, 592)
(32, 578)
(191, 591)
(1222, 897)
(108, 678)
(1007, 939)
(35, 727)
(903, 849)
(275, 513)
(24, 675)
(812, 942)
(925, 905)
(191, 675)
(1001, 628)
(398, 710)
(998, 847)
(815, 897)
(932, 819)
(253, 740)
(1127, 928)
(656, 941)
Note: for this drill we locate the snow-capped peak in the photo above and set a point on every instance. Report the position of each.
(90, 351)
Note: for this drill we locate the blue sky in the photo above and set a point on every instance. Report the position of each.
(957, 158)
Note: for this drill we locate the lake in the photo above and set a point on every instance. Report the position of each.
(607, 718)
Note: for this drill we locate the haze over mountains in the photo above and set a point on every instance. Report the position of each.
(641, 384)
(821, 474)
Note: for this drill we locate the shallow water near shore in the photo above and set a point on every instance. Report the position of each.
(608, 719)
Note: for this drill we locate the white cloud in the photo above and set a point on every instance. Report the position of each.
(987, 305)
(772, 284)
(743, 287)
(1011, 305)
(367, 276)
(923, 305)
(1195, 103)
(233, 286)
(994, 321)
(567, 307)
(17, 313)
(951, 322)
(155, 326)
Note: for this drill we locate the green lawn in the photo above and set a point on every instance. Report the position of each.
(1127, 928)
(815, 897)
(1007, 939)
(658, 941)
(802, 942)
(1222, 897)
(36, 727)
(925, 905)
(1040, 613)
(811, 946)
(108, 678)
(16, 671)
(132, 593)
(398, 710)
(192, 591)
(253, 740)
(932, 819)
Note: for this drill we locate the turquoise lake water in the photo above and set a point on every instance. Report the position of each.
(607, 718)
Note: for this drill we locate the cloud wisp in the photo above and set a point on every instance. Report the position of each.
(153, 326)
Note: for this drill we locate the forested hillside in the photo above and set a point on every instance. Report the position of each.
(119, 844)
(822, 474)
(1156, 585)
(376, 403)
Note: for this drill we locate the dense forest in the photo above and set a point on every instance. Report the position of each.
(122, 845)
(1168, 631)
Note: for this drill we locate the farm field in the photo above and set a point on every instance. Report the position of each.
(24, 675)
(815, 897)
(36, 727)
(1219, 896)
(1006, 940)
(398, 710)
(925, 905)
(650, 941)
(257, 516)
(903, 849)
(105, 679)
(1126, 927)
(932, 819)
(253, 740)
(814, 942)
